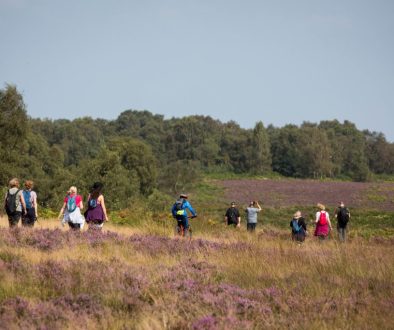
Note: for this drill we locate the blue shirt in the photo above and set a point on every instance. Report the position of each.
(185, 206)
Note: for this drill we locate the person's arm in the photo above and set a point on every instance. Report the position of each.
(190, 208)
(258, 206)
(173, 211)
(303, 223)
(22, 199)
(317, 217)
(328, 220)
(62, 210)
(101, 200)
(80, 204)
(35, 204)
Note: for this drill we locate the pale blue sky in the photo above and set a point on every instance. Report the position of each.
(279, 61)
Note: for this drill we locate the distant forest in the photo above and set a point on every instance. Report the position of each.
(140, 153)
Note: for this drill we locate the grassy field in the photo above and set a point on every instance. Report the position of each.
(137, 275)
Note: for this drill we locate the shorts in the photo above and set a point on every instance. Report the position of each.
(14, 218)
(29, 218)
(251, 226)
(74, 226)
(232, 223)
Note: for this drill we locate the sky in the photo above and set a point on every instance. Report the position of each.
(278, 61)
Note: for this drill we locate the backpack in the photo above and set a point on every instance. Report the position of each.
(27, 198)
(343, 216)
(323, 218)
(71, 204)
(11, 202)
(180, 212)
(296, 227)
(92, 203)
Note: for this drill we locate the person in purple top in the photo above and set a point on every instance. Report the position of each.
(96, 214)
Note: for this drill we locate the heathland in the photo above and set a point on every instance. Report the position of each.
(137, 274)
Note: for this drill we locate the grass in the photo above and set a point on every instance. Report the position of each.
(141, 277)
(137, 275)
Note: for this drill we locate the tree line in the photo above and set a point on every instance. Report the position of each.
(140, 153)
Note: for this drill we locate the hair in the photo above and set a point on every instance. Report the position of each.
(297, 214)
(14, 182)
(29, 184)
(321, 206)
(95, 191)
(72, 190)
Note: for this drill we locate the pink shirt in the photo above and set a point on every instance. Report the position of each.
(78, 199)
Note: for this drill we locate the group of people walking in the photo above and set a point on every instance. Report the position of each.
(22, 204)
(323, 226)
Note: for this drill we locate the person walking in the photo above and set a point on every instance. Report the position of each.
(251, 215)
(14, 203)
(343, 216)
(179, 213)
(96, 213)
(71, 210)
(30, 198)
(323, 223)
(298, 228)
(232, 216)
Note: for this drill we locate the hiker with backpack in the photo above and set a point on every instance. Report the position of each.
(30, 198)
(343, 216)
(298, 227)
(323, 223)
(96, 213)
(251, 215)
(179, 213)
(71, 210)
(232, 216)
(14, 203)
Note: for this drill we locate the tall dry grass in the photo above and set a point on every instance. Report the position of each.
(145, 278)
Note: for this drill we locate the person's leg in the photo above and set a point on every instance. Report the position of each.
(29, 218)
(251, 227)
(13, 219)
(341, 232)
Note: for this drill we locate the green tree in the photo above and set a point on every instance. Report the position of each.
(260, 157)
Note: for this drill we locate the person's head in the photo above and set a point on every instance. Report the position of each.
(233, 204)
(14, 183)
(251, 203)
(341, 204)
(297, 215)
(72, 190)
(29, 184)
(95, 191)
(321, 207)
(184, 196)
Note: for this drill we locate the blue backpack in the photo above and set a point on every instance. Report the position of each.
(296, 227)
(71, 204)
(92, 203)
(26, 197)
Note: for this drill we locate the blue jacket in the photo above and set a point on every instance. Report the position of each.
(185, 206)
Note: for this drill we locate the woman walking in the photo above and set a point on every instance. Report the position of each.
(298, 227)
(323, 223)
(14, 203)
(30, 198)
(71, 210)
(96, 213)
